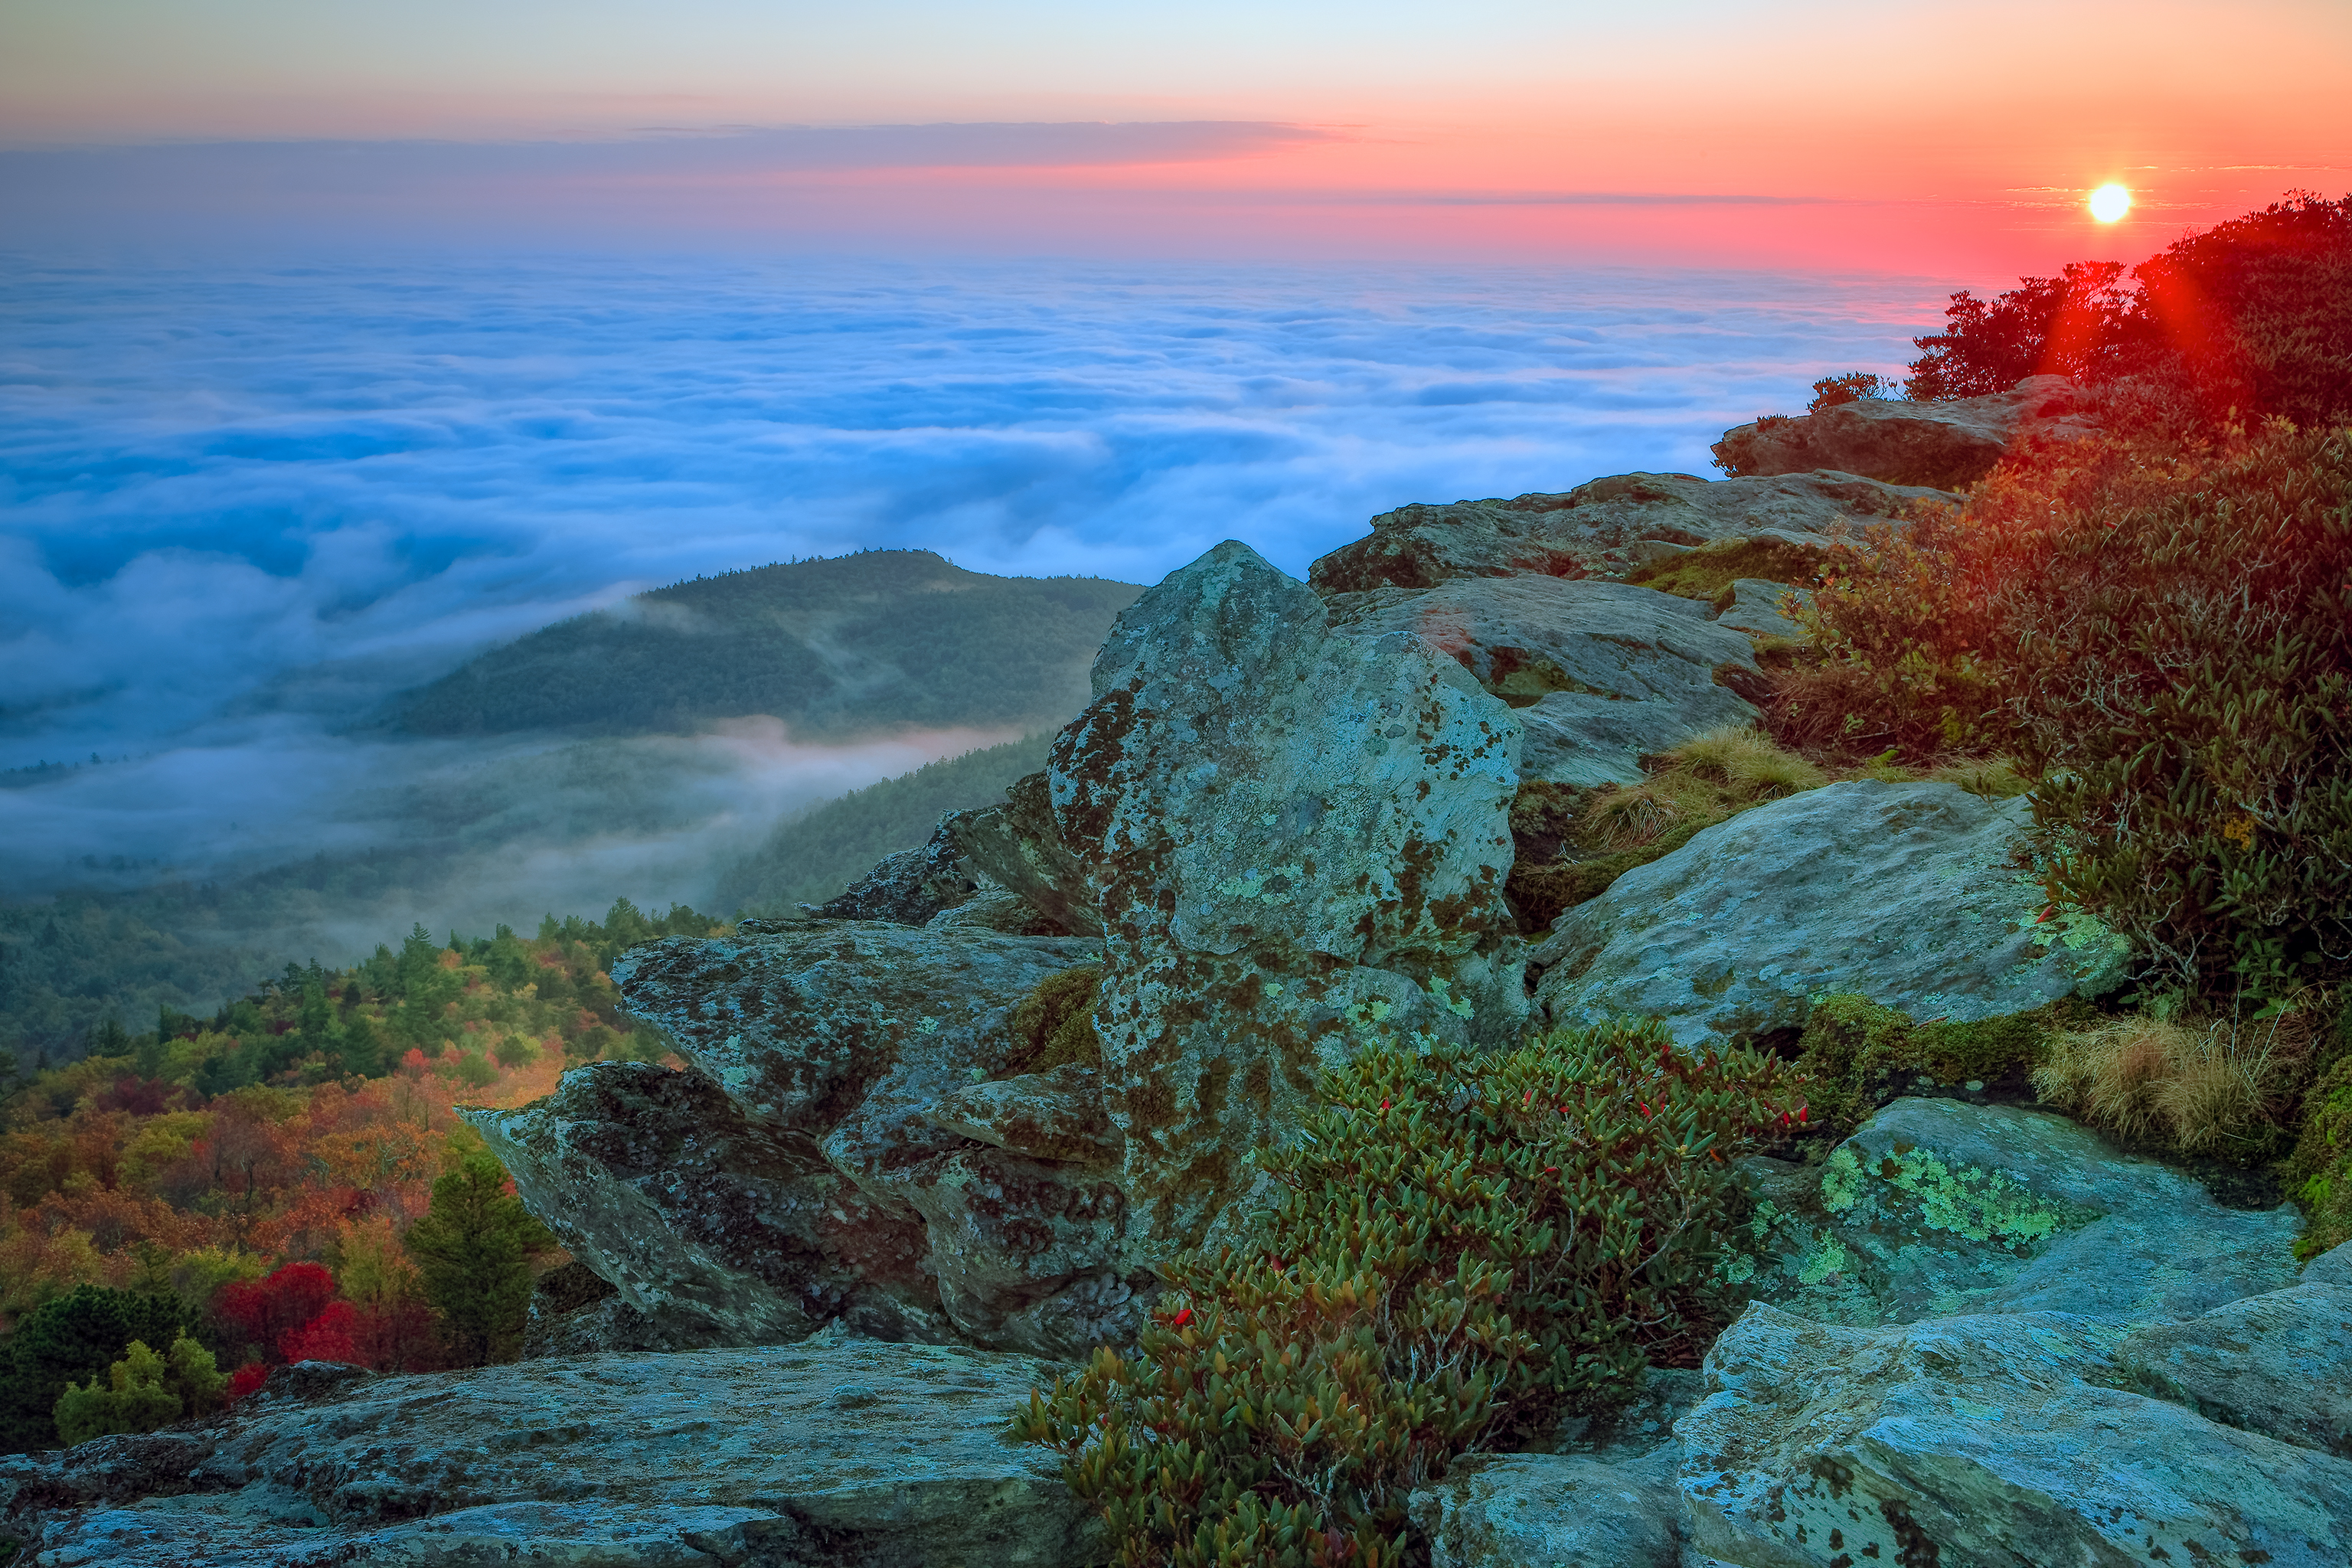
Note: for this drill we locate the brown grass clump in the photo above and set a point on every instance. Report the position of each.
(1747, 763)
(2218, 1087)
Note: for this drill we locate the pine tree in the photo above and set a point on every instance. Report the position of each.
(473, 1247)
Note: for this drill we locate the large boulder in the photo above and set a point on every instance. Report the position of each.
(1298, 840)
(841, 1040)
(1936, 1208)
(1944, 445)
(2008, 1440)
(719, 1229)
(1603, 529)
(834, 1451)
(1909, 894)
(1604, 673)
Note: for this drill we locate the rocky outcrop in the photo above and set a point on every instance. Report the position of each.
(833, 1451)
(1298, 838)
(719, 1229)
(1018, 846)
(1603, 529)
(1943, 444)
(834, 1045)
(1553, 1510)
(1909, 894)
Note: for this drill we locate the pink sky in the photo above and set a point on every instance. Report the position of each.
(1912, 137)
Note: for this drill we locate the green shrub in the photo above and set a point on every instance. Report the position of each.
(1854, 386)
(2157, 623)
(143, 1391)
(2319, 1173)
(78, 1335)
(1466, 1247)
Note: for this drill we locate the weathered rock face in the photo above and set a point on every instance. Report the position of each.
(1902, 893)
(1017, 845)
(1945, 444)
(838, 1042)
(1603, 529)
(720, 1230)
(909, 887)
(2008, 1440)
(1608, 672)
(1755, 608)
(824, 1453)
(1296, 836)
(1553, 1510)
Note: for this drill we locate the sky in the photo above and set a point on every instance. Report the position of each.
(339, 342)
(1877, 136)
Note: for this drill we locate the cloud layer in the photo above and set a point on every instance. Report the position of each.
(242, 505)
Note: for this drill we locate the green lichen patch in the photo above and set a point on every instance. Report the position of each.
(1054, 1026)
(1979, 1205)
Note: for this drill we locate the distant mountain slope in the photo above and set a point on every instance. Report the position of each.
(883, 640)
(810, 858)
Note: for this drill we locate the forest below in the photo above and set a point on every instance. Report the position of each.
(285, 1180)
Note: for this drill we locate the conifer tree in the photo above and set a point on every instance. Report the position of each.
(473, 1247)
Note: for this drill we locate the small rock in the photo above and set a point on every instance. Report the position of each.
(909, 887)
(1755, 608)
(1018, 846)
(1552, 1510)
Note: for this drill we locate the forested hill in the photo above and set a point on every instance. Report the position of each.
(863, 643)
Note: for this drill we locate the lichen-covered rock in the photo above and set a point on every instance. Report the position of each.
(1296, 836)
(2279, 1364)
(1055, 1115)
(842, 1038)
(1603, 529)
(1606, 673)
(1906, 893)
(909, 887)
(721, 1230)
(1017, 845)
(1936, 1208)
(1553, 1510)
(834, 1451)
(2009, 1440)
(1945, 444)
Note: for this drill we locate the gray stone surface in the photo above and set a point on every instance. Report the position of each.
(828, 1453)
(839, 1040)
(2013, 1441)
(1905, 893)
(718, 1229)
(1553, 1510)
(1605, 672)
(1017, 845)
(909, 887)
(1755, 608)
(1938, 1208)
(1603, 529)
(1300, 840)
(1940, 444)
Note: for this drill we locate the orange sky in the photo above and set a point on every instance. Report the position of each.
(1892, 135)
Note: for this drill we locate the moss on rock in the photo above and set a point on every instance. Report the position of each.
(1862, 1053)
(2319, 1173)
(1054, 1026)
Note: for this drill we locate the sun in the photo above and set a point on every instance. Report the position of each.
(2109, 202)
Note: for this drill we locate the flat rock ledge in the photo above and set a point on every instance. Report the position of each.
(831, 1452)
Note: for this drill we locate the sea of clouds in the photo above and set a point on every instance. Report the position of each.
(240, 505)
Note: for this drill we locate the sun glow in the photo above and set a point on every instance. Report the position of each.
(2109, 202)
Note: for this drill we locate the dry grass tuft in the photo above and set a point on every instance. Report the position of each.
(1748, 762)
(2208, 1089)
(1629, 819)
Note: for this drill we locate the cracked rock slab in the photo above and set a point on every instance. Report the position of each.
(835, 1451)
